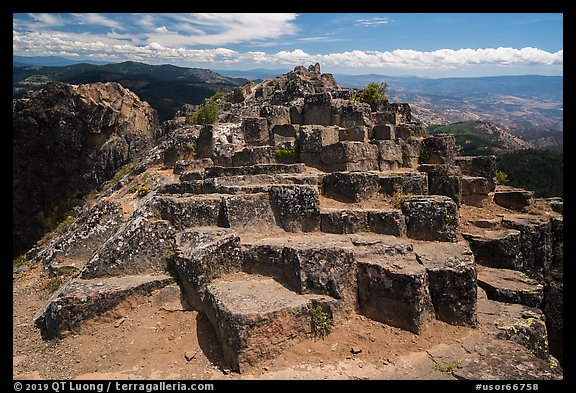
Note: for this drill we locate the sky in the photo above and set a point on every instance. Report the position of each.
(417, 44)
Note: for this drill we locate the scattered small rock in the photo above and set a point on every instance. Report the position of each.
(355, 350)
(119, 322)
(189, 355)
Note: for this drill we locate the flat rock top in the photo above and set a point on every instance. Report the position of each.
(111, 284)
(397, 264)
(507, 279)
(306, 241)
(248, 295)
(495, 234)
(451, 255)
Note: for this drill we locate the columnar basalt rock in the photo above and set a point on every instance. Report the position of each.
(438, 149)
(431, 217)
(303, 206)
(141, 246)
(202, 255)
(452, 281)
(350, 186)
(349, 156)
(497, 248)
(444, 180)
(479, 166)
(394, 290)
(296, 207)
(535, 243)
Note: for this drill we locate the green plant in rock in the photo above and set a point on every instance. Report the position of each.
(375, 94)
(206, 114)
(62, 274)
(287, 153)
(400, 197)
(446, 367)
(321, 321)
(20, 261)
(142, 190)
(53, 285)
(501, 177)
(355, 98)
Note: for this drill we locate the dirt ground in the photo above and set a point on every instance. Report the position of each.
(154, 337)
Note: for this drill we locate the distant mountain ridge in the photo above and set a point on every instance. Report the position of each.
(165, 87)
(528, 106)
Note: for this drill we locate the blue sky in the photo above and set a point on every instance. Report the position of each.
(429, 44)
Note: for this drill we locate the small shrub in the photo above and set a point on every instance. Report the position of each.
(321, 322)
(501, 177)
(206, 114)
(142, 191)
(400, 197)
(17, 262)
(287, 153)
(375, 94)
(446, 368)
(54, 283)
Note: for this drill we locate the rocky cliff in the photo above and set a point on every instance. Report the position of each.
(67, 140)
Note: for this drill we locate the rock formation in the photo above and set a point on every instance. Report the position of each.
(301, 205)
(68, 140)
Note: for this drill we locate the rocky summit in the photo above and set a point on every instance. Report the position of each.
(302, 218)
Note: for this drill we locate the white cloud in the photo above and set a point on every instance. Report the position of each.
(225, 28)
(376, 21)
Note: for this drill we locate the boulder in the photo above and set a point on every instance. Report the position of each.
(431, 217)
(350, 186)
(496, 248)
(444, 180)
(387, 222)
(394, 290)
(535, 243)
(296, 207)
(452, 280)
(141, 246)
(513, 198)
(349, 156)
(510, 286)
